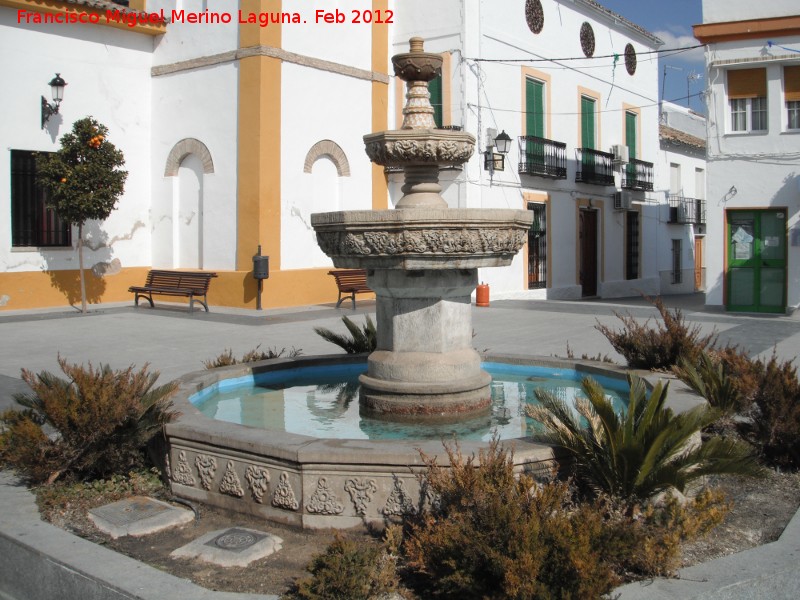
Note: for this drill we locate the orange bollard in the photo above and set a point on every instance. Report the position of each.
(482, 295)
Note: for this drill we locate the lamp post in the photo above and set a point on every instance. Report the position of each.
(57, 85)
(502, 143)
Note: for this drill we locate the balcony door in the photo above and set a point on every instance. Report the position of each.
(630, 142)
(756, 275)
(534, 124)
(587, 137)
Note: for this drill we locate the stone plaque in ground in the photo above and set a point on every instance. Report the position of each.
(232, 547)
(138, 516)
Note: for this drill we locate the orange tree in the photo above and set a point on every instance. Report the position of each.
(84, 179)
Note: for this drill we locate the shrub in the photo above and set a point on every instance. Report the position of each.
(643, 451)
(491, 534)
(349, 570)
(710, 377)
(103, 420)
(361, 339)
(227, 358)
(776, 418)
(645, 347)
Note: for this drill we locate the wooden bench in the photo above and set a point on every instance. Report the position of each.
(191, 284)
(350, 282)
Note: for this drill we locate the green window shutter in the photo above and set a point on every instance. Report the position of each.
(587, 122)
(630, 133)
(534, 108)
(435, 89)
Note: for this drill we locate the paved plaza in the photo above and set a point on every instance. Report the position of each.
(175, 342)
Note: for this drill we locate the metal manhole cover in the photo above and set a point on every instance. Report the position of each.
(236, 540)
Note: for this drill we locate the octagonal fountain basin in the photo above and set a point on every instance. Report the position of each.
(298, 451)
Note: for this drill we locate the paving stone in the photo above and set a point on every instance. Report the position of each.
(232, 547)
(138, 516)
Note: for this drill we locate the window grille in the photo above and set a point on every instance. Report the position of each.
(33, 224)
(537, 247)
(632, 246)
(676, 262)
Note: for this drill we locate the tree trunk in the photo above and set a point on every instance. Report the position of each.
(80, 267)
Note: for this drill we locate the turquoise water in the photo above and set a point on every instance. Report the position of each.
(323, 402)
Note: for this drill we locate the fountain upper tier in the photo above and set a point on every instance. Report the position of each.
(423, 233)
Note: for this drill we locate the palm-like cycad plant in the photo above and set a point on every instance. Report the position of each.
(361, 339)
(643, 451)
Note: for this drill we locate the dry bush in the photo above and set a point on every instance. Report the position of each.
(659, 347)
(227, 358)
(102, 419)
(349, 570)
(491, 534)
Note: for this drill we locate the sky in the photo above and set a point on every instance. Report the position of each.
(671, 20)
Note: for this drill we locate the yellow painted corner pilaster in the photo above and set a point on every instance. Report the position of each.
(259, 143)
(380, 102)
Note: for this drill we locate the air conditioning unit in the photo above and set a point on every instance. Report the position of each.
(623, 200)
(621, 154)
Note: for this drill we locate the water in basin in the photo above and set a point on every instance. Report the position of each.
(323, 402)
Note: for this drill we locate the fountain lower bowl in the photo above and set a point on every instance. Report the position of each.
(315, 482)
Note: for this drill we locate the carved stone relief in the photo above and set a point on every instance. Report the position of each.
(206, 467)
(183, 472)
(323, 501)
(361, 491)
(230, 482)
(399, 502)
(284, 495)
(258, 480)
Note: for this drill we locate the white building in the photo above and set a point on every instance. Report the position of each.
(569, 82)
(753, 74)
(236, 129)
(681, 178)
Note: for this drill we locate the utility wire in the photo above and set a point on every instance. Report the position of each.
(673, 50)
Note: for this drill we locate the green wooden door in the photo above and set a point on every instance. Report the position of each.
(587, 122)
(630, 142)
(757, 261)
(587, 137)
(534, 124)
(435, 89)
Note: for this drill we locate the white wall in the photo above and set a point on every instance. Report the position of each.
(210, 117)
(318, 106)
(723, 11)
(108, 77)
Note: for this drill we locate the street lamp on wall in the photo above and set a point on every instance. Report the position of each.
(496, 161)
(57, 85)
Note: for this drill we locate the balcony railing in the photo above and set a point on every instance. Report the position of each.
(594, 166)
(638, 175)
(542, 157)
(686, 211)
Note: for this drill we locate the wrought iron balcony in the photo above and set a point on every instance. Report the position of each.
(542, 157)
(686, 211)
(638, 175)
(594, 166)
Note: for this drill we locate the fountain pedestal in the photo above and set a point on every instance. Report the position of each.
(422, 261)
(424, 363)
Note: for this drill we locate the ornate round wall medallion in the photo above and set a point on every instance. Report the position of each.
(630, 59)
(534, 15)
(587, 39)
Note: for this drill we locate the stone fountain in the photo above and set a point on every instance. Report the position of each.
(422, 261)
